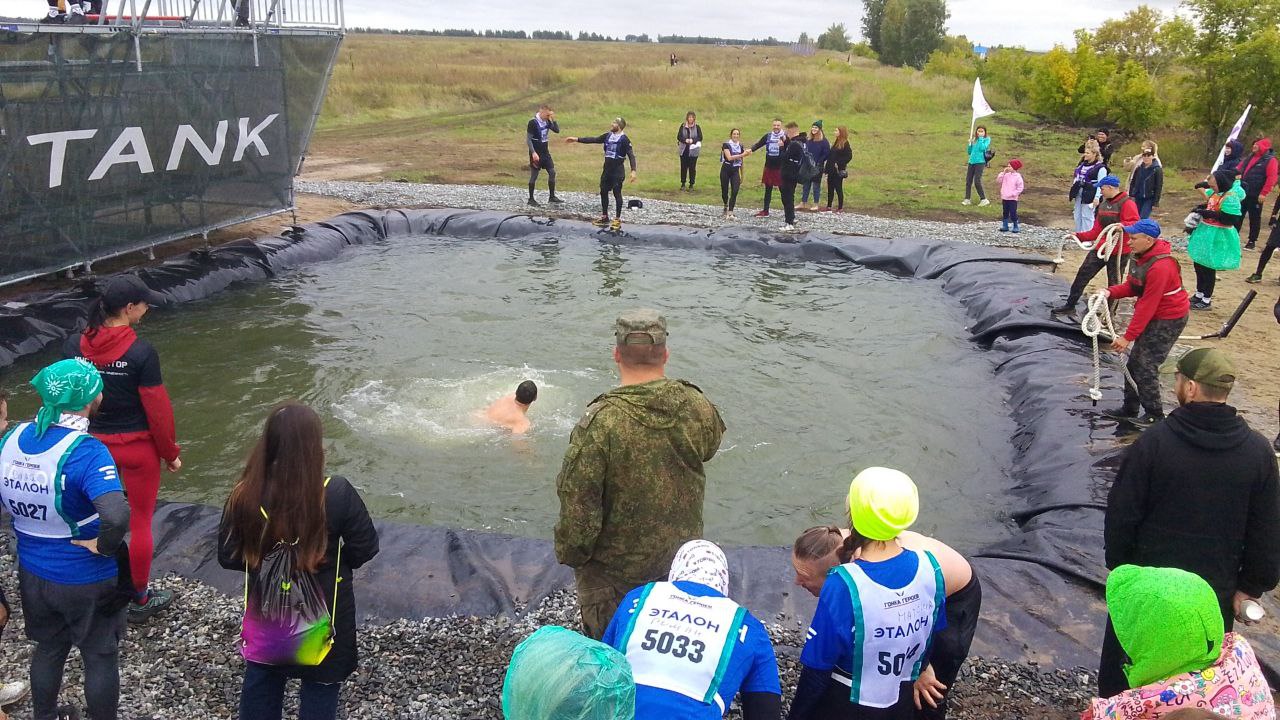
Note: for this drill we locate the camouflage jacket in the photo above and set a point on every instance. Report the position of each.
(632, 485)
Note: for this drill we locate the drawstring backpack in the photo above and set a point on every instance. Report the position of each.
(286, 621)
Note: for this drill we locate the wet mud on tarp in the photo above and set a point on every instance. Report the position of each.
(1042, 587)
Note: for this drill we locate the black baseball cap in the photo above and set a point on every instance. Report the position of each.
(122, 290)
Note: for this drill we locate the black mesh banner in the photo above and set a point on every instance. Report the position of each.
(110, 143)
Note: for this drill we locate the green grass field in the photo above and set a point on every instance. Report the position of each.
(454, 111)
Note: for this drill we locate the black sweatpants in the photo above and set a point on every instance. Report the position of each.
(1091, 266)
(730, 182)
(1273, 243)
(835, 186)
(611, 183)
(789, 200)
(688, 169)
(1206, 280)
(61, 616)
(1251, 207)
(1148, 351)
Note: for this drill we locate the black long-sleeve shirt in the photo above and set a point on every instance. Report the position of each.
(839, 159)
(771, 161)
(614, 153)
(113, 521)
(533, 135)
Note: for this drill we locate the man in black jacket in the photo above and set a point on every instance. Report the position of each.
(792, 157)
(1200, 492)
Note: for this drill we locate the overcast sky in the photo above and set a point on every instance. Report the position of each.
(1035, 24)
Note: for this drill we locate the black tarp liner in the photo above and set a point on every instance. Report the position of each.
(1042, 587)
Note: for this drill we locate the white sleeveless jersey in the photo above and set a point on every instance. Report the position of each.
(31, 487)
(892, 630)
(682, 643)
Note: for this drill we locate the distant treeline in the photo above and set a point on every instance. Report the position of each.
(565, 35)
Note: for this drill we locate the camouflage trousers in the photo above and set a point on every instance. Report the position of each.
(1149, 350)
(599, 595)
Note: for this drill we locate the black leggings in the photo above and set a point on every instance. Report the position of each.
(689, 169)
(835, 186)
(1251, 207)
(730, 181)
(1273, 243)
(1206, 278)
(611, 184)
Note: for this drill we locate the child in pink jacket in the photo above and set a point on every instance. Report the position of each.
(1010, 182)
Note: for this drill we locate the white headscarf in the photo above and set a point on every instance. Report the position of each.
(703, 562)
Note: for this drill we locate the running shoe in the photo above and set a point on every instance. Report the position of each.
(77, 18)
(762, 213)
(1146, 421)
(157, 601)
(966, 201)
(534, 203)
(984, 202)
(67, 712)
(601, 221)
(53, 19)
(1063, 310)
(1250, 246)
(1121, 413)
(11, 693)
(616, 225)
(788, 227)
(555, 200)
(727, 215)
(1253, 279)
(1201, 303)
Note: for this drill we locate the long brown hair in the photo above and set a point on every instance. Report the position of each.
(285, 478)
(817, 543)
(851, 545)
(842, 137)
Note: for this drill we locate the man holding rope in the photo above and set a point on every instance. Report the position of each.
(1159, 317)
(1116, 207)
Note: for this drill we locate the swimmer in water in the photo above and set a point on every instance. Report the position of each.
(511, 411)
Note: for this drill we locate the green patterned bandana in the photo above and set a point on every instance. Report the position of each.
(67, 385)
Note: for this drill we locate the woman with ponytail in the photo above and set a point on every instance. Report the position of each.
(135, 421)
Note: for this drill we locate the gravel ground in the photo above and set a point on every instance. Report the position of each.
(184, 664)
(587, 206)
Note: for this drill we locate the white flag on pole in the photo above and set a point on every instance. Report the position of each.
(1235, 133)
(981, 108)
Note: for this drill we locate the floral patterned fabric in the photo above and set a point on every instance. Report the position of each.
(1233, 686)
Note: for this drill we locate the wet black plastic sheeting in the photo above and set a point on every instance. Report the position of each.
(1042, 587)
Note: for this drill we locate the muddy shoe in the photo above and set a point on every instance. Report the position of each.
(534, 203)
(157, 601)
(1063, 310)
(1146, 421)
(11, 693)
(1253, 279)
(601, 221)
(555, 200)
(616, 225)
(1121, 413)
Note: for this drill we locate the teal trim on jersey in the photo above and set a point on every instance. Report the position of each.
(59, 481)
(734, 629)
(939, 597)
(855, 672)
(631, 623)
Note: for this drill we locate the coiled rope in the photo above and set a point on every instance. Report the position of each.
(1095, 323)
(1111, 237)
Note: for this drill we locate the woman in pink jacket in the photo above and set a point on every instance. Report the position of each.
(1011, 186)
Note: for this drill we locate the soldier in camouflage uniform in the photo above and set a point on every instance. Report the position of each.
(632, 484)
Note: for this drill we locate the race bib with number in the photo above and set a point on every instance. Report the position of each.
(682, 643)
(31, 487)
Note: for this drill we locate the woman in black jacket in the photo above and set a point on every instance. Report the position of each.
(283, 495)
(837, 168)
(689, 143)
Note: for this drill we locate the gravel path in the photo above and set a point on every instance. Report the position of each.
(184, 664)
(587, 206)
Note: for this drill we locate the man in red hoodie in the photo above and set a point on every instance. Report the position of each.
(1258, 176)
(1159, 317)
(135, 420)
(1116, 207)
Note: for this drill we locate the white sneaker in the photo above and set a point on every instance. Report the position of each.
(788, 228)
(965, 202)
(985, 202)
(11, 693)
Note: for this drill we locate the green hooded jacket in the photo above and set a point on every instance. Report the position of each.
(1167, 621)
(632, 484)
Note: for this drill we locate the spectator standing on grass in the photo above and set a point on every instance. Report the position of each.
(1105, 148)
(1258, 175)
(1116, 208)
(632, 484)
(1011, 187)
(793, 173)
(135, 420)
(1084, 188)
(731, 155)
(1146, 178)
(837, 168)
(1168, 623)
(1273, 244)
(1200, 492)
(820, 149)
(1214, 244)
(283, 497)
(10, 692)
(617, 150)
(537, 132)
(1159, 317)
(689, 145)
(70, 516)
(979, 145)
(772, 143)
(691, 648)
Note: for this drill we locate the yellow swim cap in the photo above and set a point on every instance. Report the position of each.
(882, 503)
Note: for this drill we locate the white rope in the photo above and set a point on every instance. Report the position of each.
(1111, 237)
(1097, 322)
